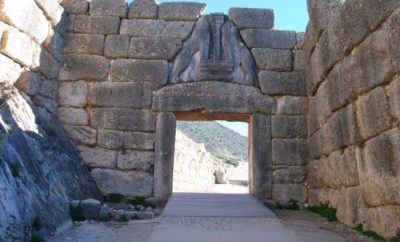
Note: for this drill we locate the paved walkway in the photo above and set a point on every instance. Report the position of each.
(219, 217)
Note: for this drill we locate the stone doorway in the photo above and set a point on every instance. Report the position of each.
(260, 148)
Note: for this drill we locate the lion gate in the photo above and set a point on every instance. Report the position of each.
(127, 78)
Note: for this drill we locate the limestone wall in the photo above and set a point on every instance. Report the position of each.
(125, 64)
(353, 66)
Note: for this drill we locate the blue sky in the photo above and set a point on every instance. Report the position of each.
(289, 15)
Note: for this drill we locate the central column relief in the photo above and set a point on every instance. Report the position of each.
(214, 52)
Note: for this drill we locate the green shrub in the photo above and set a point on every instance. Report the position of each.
(114, 197)
(325, 211)
(37, 238)
(368, 233)
(136, 201)
(76, 214)
(122, 218)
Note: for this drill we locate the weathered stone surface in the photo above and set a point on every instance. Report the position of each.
(9, 70)
(260, 156)
(289, 105)
(73, 116)
(337, 171)
(94, 24)
(84, 67)
(299, 63)
(156, 28)
(282, 193)
(351, 210)
(128, 183)
(18, 46)
(54, 44)
(273, 59)
(26, 16)
(81, 135)
(144, 9)
(378, 164)
(212, 97)
(44, 62)
(373, 112)
(394, 38)
(49, 104)
(139, 141)
(75, 6)
(289, 126)
(116, 46)
(49, 89)
(90, 208)
(300, 38)
(274, 39)
(231, 61)
(184, 11)
(110, 139)
(335, 197)
(394, 98)
(28, 82)
(52, 10)
(292, 152)
(98, 158)
(139, 71)
(154, 48)
(316, 197)
(120, 95)
(164, 154)
(282, 83)
(293, 174)
(385, 221)
(116, 8)
(123, 119)
(73, 94)
(84, 44)
(255, 18)
(135, 160)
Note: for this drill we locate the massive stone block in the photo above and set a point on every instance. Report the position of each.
(26, 16)
(9, 70)
(184, 11)
(72, 94)
(110, 139)
(49, 89)
(154, 48)
(260, 156)
(75, 6)
(164, 154)
(378, 164)
(18, 46)
(84, 44)
(394, 98)
(144, 9)
(385, 221)
(81, 134)
(351, 209)
(282, 83)
(139, 141)
(336, 171)
(212, 97)
(73, 116)
(289, 126)
(52, 9)
(139, 71)
(84, 67)
(128, 183)
(28, 82)
(292, 152)
(44, 62)
(156, 28)
(116, 46)
(274, 39)
(98, 158)
(116, 8)
(290, 175)
(135, 160)
(283, 193)
(94, 24)
(273, 59)
(373, 113)
(255, 18)
(120, 95)
(123, 119)
(289, 105)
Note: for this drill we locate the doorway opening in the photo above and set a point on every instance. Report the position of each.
(211, 157)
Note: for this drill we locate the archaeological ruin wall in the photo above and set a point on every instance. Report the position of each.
(353, 54)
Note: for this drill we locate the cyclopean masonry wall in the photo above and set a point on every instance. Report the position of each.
(131, 71)
(353, 57)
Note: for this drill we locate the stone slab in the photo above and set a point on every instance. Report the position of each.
(143, 9)
(282, 83)
(290, 152)
(75, 6)
(135, 160)
(274, 39)
(72, 94)
(9, 70)
(181, 11)
(95, 24)
(255, 18)
(273, 59)
(98, 158)
(115, 8)
(116, 46)
(84, 44)
(84, 67)
(154, 48)
(289, 127)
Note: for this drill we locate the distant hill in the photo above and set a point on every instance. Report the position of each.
(220, 141)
